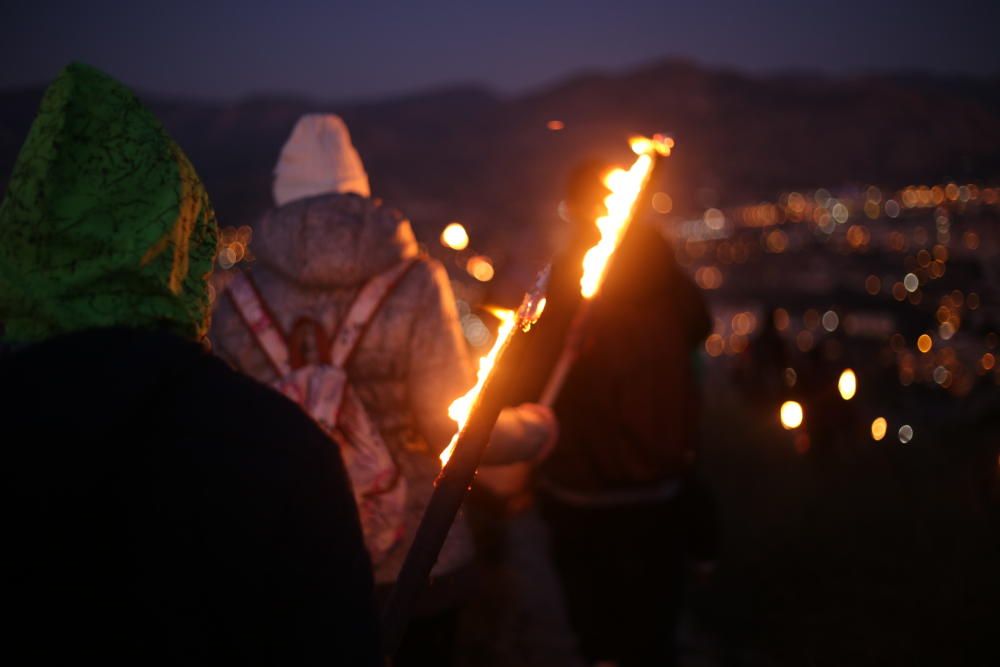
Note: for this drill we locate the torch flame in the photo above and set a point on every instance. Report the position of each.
(461, 407)
(625, 187)
(658, 143)
(527, 314)
(540, 308)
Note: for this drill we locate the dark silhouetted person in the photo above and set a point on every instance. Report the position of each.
(162, 509)
(611, 489)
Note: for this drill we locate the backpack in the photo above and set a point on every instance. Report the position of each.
(324, 391)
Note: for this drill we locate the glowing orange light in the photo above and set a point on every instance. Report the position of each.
(555, 125)
(461, 407)
(662, 203)
(480, 268)
(847, 385)
(988, 361)
(625, 187)
(879, 428)
(455, 237)
(873, 285)
(659, 143)
(791, 415)
(924, 343)
(708, 277)
(714, 345)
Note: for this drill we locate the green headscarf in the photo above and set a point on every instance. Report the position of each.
(105, 221)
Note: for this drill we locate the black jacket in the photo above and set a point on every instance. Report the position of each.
(628, 412)
(165, 509)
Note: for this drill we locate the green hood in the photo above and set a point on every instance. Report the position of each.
(105, 222)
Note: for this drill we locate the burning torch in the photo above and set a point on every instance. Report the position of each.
(625, 186)
(475, 413)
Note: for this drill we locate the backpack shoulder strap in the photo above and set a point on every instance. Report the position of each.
(363, 310)
(255, 315)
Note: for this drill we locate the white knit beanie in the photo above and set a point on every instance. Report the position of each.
(317, 159)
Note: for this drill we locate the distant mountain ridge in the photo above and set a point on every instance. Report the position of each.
(465, 153)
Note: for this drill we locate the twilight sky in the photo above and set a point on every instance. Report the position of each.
(367, 48)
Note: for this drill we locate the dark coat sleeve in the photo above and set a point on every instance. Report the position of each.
(281, 542)
(166, 510)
